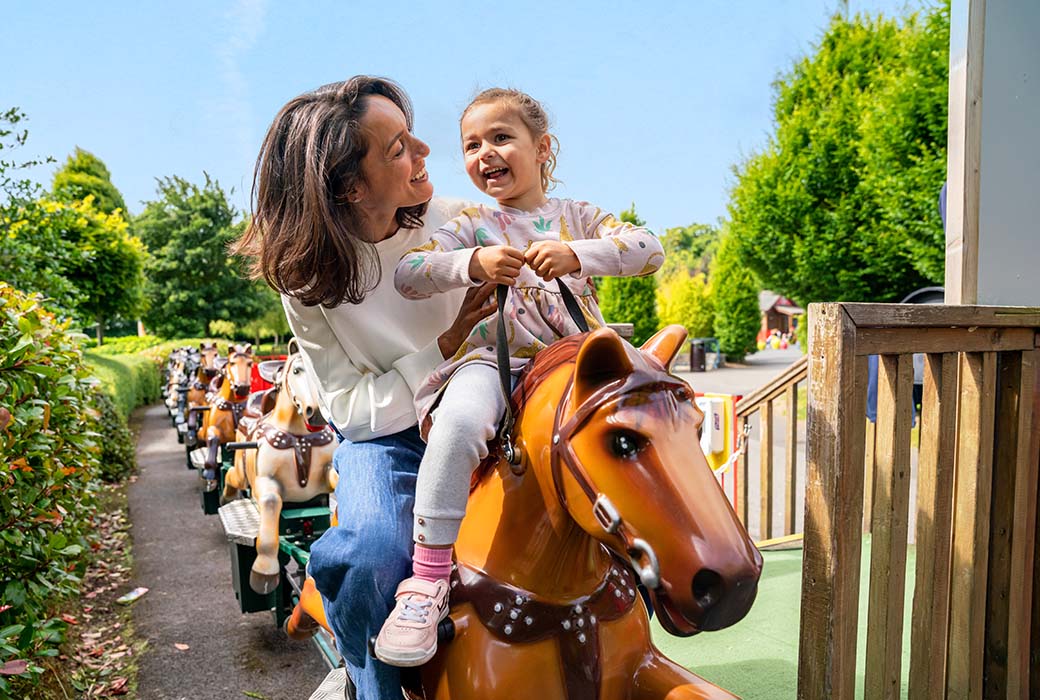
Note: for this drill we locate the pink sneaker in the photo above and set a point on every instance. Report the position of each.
(409, 635)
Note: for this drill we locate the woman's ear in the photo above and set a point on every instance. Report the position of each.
(543, 147)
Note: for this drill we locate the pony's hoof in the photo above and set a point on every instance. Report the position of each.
(263, 583)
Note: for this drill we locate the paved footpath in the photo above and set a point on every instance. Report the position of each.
(181, 555)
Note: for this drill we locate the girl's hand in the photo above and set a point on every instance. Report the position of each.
(496, 263)
(476, 306)
(552, 259)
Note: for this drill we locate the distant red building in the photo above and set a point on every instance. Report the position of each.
(778, 313)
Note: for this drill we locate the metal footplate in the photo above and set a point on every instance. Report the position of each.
(241, 521)
(334, 686)
(198, 458)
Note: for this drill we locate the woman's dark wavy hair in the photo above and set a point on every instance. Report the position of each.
(304, 237)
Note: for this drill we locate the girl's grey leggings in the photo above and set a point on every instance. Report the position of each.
(464, 421)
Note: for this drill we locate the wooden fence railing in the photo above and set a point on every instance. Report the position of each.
(974, 631)
(783, 388)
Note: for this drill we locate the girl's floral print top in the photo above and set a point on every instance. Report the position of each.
(535, 313)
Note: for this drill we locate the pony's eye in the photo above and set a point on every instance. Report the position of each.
(682, 394)
(625, 444)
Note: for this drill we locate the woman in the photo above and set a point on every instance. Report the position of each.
(340, 193)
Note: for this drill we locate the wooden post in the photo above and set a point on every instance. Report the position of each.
(765, 454)
(1023, 538)
(888, 527)
(868, 471)
(791, 461)
(935, 513)
(973, 487)
(833, 507)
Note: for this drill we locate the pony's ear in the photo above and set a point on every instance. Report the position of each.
(247, 348)
(602, 358)
(665, 344)
(294, 346)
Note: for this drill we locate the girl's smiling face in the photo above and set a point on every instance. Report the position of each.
(503, 158)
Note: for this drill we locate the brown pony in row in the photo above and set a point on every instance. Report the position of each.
(227, 401)
(611, 488)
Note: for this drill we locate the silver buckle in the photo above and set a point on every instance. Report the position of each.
(606, 514)
(649, 575)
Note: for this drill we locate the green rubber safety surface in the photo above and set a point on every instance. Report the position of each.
(757, 659)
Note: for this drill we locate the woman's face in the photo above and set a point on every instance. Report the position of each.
(394, 169)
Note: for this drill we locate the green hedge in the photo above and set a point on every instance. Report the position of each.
(126, 345)
(48, 432)
(131, 380)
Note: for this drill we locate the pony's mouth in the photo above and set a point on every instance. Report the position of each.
(241, 391)
(674, 622)
(728, 611)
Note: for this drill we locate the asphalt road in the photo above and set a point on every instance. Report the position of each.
(181, 555)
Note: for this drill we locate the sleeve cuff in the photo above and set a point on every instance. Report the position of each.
(598, 257)
(414, 368)
(456, 265)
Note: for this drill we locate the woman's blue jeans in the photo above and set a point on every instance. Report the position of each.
(357, 565)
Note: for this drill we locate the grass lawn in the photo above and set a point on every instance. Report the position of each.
(757, 658)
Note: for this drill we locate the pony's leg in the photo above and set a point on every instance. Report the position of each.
(235, 479)
(660, 678)
(308, 614)
(209, 473)
(264, 576)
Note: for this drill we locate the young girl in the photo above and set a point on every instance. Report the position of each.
(527, 243)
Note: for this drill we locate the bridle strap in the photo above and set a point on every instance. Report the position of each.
(505, 429)
(562, 455)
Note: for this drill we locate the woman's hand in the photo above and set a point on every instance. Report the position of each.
(552, 259)
(476, 306)
(496, 263)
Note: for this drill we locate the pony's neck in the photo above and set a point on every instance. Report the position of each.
(517, 531)
(285, 416)
(535, 544)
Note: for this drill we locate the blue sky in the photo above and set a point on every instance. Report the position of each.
(653, 102)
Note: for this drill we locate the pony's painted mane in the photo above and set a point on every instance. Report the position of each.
(562, 351)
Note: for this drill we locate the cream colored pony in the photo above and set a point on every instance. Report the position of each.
(293, 460)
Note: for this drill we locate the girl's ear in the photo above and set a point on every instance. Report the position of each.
(543, 147)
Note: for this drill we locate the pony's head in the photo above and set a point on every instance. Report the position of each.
(301, 389)
(627, 466)
(238, 370)
(208, 355)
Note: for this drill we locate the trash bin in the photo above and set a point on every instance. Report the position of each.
(697, 356)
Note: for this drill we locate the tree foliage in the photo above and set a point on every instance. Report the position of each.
(630, 299)
(29, 262)
(842, 203)
(191, 278)
(105, 263)
(686, 300)
(688, 249)
(734, 291)
(83, 175)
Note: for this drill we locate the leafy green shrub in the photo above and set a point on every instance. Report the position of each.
(126, 345)
(117, 460)
(48, 430)
(735, 293)
(131, 380)
(686, 301)
(630, 300)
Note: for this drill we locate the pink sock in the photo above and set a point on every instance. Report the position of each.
(431, 563)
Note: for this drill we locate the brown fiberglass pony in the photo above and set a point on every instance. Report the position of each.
(226, 405)
(611, 489)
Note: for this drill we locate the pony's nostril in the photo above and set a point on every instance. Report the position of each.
(707, 588)
(310, 412)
